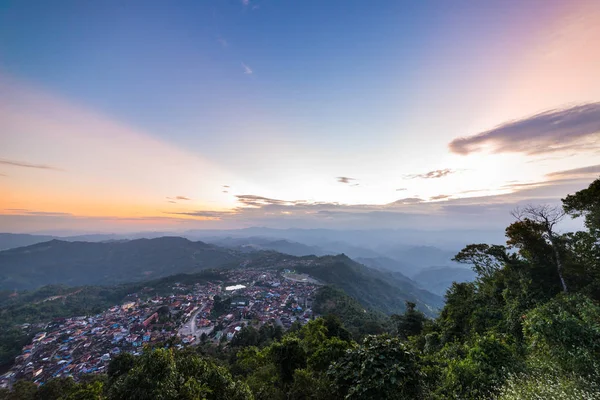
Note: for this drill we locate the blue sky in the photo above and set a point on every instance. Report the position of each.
(280, 98)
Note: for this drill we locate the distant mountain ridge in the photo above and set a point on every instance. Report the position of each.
(83, 263)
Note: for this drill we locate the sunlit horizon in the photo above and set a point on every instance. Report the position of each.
(221, 116)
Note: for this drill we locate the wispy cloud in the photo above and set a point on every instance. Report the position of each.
(25, 211)
(226, 186)
(177, 199)
(438, 173)
(344, 179)
(205, 214)
(222, 41)
(246, 2)
(256, 201)
(24, 164)
(247, 69)
(569, 129)
(440, 197)
(592, 169)
(401, 189)
(407, 200)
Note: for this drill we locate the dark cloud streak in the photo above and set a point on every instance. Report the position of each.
(592, 169)
(344, 179)
(575, 128)
(27, 165)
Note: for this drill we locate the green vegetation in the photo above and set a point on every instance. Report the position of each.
(108, 263)
(375, 289)
(527, 328)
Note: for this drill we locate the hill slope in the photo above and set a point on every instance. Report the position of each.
(379, 290)
(84, 263)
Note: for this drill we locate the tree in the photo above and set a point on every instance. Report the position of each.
(55, 389)
(247, 336)
(487, 362)
(410, 323)
(586, 203)
(486, 260)
(382, 367)
(171, 374)
(23, 390)
(539, 221)
(288, 356)
(120, 365)
(566, 332)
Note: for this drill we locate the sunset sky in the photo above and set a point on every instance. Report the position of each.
(172, 115)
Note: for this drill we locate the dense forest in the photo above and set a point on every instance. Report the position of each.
(527, 328)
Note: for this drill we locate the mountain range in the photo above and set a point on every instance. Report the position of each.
(115, 262)
(380, 249)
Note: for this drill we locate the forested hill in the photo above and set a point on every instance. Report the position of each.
(380, 290)
(88, 263)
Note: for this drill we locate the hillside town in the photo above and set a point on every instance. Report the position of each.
(212, 312)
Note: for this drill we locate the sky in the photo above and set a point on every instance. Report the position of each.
(160, 115)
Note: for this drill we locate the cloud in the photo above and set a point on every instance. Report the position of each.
(3, 175)
(407, 200)
(245, 2)
(226, 186)
(569, 129)
(344, 179)
(25, 211)
(172, 201)
(178, 198)
(247, 69)
(205, 214)
(438, 173)
(223, 41)
(225, 191)
(592, 169)
(255, 201)
(440, 197)
(401, 189)
(27, 165)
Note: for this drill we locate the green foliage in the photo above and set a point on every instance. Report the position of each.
(169, 374)
(354, 316)
(288, 356)
(381, 368)
(55, 389)
(485, 365)
(545, 386)
(410, 323)
(120, 365)
(566, 332)
(373, 289)
(586, 203)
